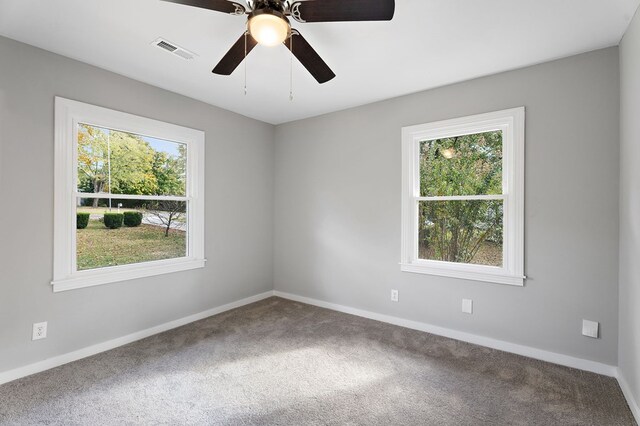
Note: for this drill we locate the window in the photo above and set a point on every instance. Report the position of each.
(463, 198)
(129, 196)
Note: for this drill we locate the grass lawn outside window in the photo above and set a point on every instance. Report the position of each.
(98, 246)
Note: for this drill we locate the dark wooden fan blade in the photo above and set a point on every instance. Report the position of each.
(342, 10)
(224, 6)
(309, 58)
(235, 55)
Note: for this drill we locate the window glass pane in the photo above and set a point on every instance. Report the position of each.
(462, 165)
(115, 162)
(131, 231)
(461, 231)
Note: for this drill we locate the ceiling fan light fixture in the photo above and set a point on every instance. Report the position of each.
(269, 27)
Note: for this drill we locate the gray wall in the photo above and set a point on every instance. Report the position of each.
(337, 208)
(629, 351)
(239, 199)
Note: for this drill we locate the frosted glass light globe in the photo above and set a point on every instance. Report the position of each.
(268, 29)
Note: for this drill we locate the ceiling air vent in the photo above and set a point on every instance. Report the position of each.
(174, 48)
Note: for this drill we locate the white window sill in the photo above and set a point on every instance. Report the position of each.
(113, 274)
(471, 274)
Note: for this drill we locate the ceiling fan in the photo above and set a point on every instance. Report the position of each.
(268, 24)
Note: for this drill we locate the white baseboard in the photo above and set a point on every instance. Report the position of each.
(47, 364)
(631, 400)
(553, 357)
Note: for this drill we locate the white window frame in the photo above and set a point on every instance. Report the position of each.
(68, 115)
(512, 124)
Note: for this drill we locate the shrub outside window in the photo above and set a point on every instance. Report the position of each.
(129, 198)
(463, 197)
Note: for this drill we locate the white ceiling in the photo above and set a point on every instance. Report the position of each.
(429, 43)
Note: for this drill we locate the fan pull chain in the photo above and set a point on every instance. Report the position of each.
(245, 63)
(291, 68)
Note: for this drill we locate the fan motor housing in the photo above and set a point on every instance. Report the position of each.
(275, 5)
(268, 11)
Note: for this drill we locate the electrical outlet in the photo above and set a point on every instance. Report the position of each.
(590, 328)
(394, 295)
(39, 331)
(467, 306)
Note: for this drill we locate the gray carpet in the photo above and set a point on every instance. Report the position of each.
(278, 362)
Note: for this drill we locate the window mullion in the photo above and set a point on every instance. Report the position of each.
(104, 195)
(462, 197)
